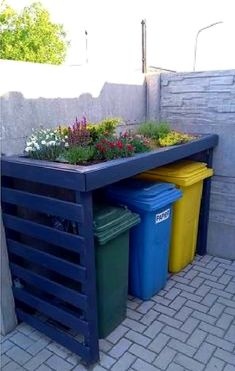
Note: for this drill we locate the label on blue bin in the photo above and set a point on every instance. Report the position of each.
(162, 216)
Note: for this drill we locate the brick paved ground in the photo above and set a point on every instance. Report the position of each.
(190, 325)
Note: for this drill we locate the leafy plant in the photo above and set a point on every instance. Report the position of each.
(78, 133)
(105, 128)
(46, 144)
(31, 36)
(107, 149)
(79, 155)
(154, 130)
(139, 142)
(174, 138)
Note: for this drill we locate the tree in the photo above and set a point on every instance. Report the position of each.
(31, 36)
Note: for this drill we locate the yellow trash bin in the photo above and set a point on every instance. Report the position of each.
(188, 177)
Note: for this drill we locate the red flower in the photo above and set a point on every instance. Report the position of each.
(119, 144)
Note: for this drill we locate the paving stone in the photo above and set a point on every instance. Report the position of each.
(38, 346)
(215, 285)
(225, 356)
(132, 305)
(229, 368)
(153, 329)
(224, 321)
(204, 317)
(96, 368)
(208, 277)
(190, 296)
(220, 343)
(137, 338)
(37, 360)
(186, 287)
(216, 310)
(218, 272)
(133, 314)
(145, 306)
(209, 299)
(225, 279)
(59, 350)
(161, 300)
(44, 368)
(221, 293)
(197, 338)
(179, 279)
(189, 325)
(4, 360)
(169, 321)
(172, 293)
(227, 302)
(12, 366)
(105, 345)
(149, 317)
(140, 365)
(25, 329)
(230, 335)
(18, 355)
(74, 359)
(159, 343)
(57, 363)
(165, 358)
(231, 288)
(132, 324)
(164, 310)
(214, 364)
(178, 303)
(230, 311)
(124, 363)
(176, 334)
(197, 282)
(117, 334)
(106, 361)
(183, 313)
(174, 367)
(197, 306)
(177, 345)
(205, 352)
(191, 274)
(120, 348)
(202, 269)
(188, 362)
(203, 290)
(142, 353)
(211, 329)
(6, 345)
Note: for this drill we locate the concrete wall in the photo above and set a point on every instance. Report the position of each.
(204, 102)
(35, 94)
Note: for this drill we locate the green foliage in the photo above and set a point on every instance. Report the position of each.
(174, 138)
(30, 35)
(105, 128)
(46, 144)
(79, 155)
(139, 142)
(154, 130)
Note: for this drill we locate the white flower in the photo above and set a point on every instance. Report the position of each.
(43, 142)
(66, 145)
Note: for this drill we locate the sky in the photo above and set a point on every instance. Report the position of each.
(114, 32)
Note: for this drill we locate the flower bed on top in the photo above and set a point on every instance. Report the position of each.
(85, 143)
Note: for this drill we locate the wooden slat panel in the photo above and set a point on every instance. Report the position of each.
(62, 292)
(43, 204)
(55, 334)
(52, 311)
(66, 240)
(67, 269)
(51, 173)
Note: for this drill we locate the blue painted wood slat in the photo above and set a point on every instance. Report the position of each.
(52, 311)
(54, 236)
(61, 266)
(43, 204)
(51, 287)
(55, 334)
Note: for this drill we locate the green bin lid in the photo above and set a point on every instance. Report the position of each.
(110, 221)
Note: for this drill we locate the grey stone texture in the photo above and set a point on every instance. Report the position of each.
(196, 344)
(204, 102)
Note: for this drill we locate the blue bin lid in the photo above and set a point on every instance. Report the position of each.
(142, 194)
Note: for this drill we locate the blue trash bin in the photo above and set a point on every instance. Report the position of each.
(150, 240)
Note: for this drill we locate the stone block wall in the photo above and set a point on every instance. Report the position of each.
(204, 102)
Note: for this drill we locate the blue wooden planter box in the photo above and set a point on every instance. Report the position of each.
(53, 270)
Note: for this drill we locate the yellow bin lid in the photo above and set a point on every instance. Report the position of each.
(183, 173)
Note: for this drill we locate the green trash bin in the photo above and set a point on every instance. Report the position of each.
(111, 231)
